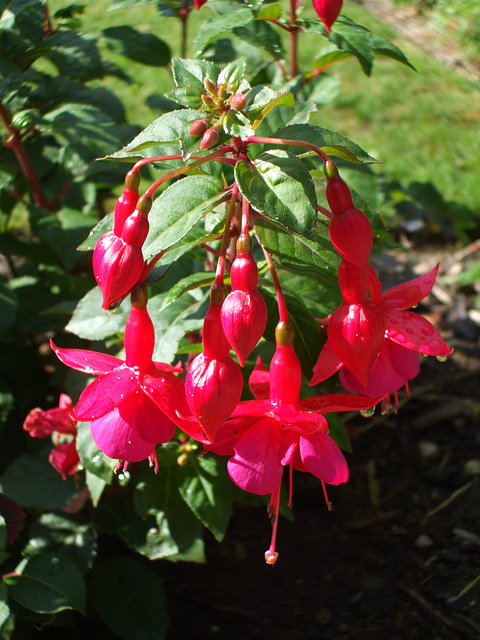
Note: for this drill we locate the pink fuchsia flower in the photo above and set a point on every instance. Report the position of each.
(64, 458)
(135, 403)
(214, 382)
(327, 11)
(279, 429)
(406, 335)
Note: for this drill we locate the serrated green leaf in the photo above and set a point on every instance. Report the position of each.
(385, 48)
(129, 598)
(261, 34)
(105, 224)
(205, 486)
(145, 48)
(280, 100)
(297, 252)
(191, 73)
(169, 128)
(281, 188)
(48, 584)
(237, 124)
(91, 322)
(232, 75)
(269, 12)
(191, 282)
(330, 55)
(329, 141)
(178, 209)
(35, 483)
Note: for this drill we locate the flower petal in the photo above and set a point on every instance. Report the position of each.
(115, 434)
(150, 421)
(90, 362)
(408, 294)
(337, 402)
(323, 458)
(259, 381)
(257, 464)
(416, 333)
(327, 364)
(105, 393)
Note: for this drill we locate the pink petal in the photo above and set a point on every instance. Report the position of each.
(90, 362)
(405, 362)
(322, 457)
(259, 381)
(116, 435)
(416, 333)
(150, 421)
(258, 408)
(408, 294)
(327, 364)
(229, 433)
(337, 402)
(257, 464)
(105, 393)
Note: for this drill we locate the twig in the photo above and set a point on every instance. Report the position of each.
(456, 494)
(427, 606)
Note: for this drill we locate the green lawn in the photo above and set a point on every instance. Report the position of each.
(421, 126)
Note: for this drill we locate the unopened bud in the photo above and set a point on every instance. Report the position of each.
(209, 139)
(208, 101)
(238, 102)
(199, 127)
(222, 92)
(210, 86)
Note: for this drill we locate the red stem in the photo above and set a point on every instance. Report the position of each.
(282, 306)
(293, 39)
(15, 142)
(290, 143)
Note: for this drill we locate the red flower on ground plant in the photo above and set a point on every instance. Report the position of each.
(278, 429)
(57, 422)
(406, 336)
(133, 403)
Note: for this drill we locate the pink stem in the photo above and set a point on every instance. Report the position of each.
(291, 143)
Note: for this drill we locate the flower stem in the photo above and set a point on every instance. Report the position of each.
(293, 39)
(282, 306)
(226, 237)
(290, 143)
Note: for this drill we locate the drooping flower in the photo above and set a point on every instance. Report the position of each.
(278, 429)
(214, 382)
(406, 336)
(117, 259)
(57, 422)
(135, 403)
(244, 312)
(327, 11)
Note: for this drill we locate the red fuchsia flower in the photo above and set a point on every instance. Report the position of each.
(214, 382)
(135, 403)
(406, 335)
(356, 329)
(57, 422)
(278, 429)
(327, 11)
(199, 3)
(244, 312)
(349, 228)
(117, 259)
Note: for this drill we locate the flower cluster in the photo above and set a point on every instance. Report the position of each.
(135, 403)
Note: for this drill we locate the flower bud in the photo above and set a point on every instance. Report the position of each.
(351, 235)
(127, 201)
(285, 376)
(209, 139)
(199, 127)
(327, 11)
(238, 101)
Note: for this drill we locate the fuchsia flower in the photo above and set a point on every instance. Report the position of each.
(214, 382)
(135, 403)
(327, 11)
(279, 429)
(58, 422)
(244, 312)
(406, 335)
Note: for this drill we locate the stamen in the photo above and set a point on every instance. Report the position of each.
(271, 555)
(407, 389)
(153, 461)
(327, 501)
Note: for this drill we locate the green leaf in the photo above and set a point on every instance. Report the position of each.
(339, 432)
(296, 252)
(35, 483)
(191, 73)
(260, 33)
(178, 209)
(61, 536)
(91, 322)
(237, 124)
(129, 598)
(189, 283)
(330, 142)
(217, 25)
(270, 12)
(385, 48)
(171, 323)
(282, 189)
(233, 74)
(282, 116)
(169, 128)
(178, 529)
(8, 306)
(145, 48)
(76, 56)
(205, 486)
(96, 487)
(105, 224)
(48, 584)
(4, 608)
(93, 460)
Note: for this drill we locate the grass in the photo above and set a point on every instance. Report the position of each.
(421, 126)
